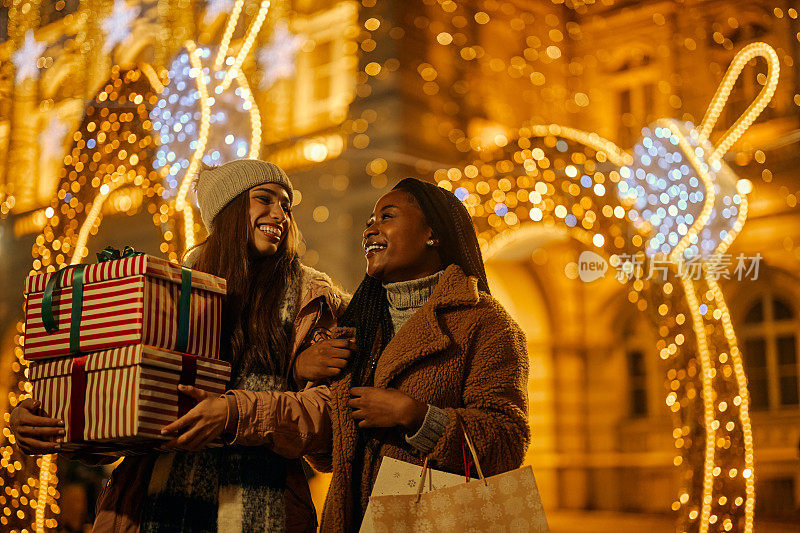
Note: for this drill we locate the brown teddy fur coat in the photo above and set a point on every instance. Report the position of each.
(460, 351)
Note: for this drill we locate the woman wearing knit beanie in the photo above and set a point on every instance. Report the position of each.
(275, 309)
(435, 352)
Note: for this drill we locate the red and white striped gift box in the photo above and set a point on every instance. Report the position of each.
(124, 396)
(126, 301)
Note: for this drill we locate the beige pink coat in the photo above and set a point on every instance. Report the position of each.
(292, 424)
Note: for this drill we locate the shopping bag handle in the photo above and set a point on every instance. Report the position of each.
(421, 482)
(473, 452)
(426, 468)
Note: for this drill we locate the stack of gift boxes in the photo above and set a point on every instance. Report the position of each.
(109, 343)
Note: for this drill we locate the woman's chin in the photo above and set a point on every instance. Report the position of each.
(265, 248)
(374, 271)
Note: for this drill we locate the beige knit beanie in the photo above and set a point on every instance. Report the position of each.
(216, 187)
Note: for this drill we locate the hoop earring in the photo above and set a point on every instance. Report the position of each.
(431, 242)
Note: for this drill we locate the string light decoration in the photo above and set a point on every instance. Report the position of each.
(695, 204)
(246, 46)
(185, 122)
(680, 185)
(113, 146)
(685, 203)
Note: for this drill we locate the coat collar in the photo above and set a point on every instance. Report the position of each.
(422, 335)
(317, 294)
(316, 285)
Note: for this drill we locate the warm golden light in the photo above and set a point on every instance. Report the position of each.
(230, 26)
(249, 39)
(515, 172)
(724, 90)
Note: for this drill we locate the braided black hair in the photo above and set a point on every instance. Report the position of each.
(451, 225)
(368, 311)
(450, 222)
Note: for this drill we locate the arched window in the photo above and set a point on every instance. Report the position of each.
(631, 79)
(637, 346)
(769, 344)
(637, 383)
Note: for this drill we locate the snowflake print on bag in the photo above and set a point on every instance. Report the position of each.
(423, 525)
(507, 484)
(514, 505)
(441, 503)
(445, 521)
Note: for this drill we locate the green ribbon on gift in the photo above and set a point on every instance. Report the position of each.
(50, 325)
(109, 253)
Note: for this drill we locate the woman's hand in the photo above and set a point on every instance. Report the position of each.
(323, 360)
(33, 429)
(201, 425)
(374, 407)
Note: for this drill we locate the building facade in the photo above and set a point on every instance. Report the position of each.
(381, 90)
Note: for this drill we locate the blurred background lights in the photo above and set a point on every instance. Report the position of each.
(484, 85)
(177, 120)
(278, 57)
(315, 151)
(668, 195)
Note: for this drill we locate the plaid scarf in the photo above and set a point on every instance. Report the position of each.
(227, 489)
(233, 488)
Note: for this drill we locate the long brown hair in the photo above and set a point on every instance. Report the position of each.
(256, 289)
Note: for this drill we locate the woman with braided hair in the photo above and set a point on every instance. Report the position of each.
(435, 353)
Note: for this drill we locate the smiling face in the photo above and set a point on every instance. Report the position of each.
(270, 216)
(396, 240)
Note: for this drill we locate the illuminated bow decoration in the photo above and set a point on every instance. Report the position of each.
(678, 183)
(695, 206)
(676, 188)
(225, 68)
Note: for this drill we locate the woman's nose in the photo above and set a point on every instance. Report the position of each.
(277, 214)
(371, 230)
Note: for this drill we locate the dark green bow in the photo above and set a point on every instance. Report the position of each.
(110, 253)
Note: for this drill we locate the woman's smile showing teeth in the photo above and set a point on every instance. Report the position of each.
(270, 231)
(373, 247)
